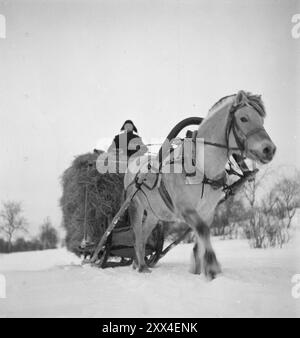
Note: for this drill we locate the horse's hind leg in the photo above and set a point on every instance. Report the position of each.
(204, 256)
(196, 263)
(136, 218)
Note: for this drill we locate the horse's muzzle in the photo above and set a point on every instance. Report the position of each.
(265, 152)
(269, 151)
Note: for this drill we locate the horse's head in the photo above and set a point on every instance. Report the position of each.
(245, 128)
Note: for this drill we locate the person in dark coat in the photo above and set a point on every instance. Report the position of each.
(128, 142)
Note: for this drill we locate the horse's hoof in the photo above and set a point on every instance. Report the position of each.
(211, 271)
(211, 265)
(195, 270)
(144, 269)
(195, 267)
(134, 265)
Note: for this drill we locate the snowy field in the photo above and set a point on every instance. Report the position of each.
(254, 283)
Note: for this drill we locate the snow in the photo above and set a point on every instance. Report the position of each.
(254, 282)
(37, 260)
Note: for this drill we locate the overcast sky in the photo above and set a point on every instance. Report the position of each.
(72, 71)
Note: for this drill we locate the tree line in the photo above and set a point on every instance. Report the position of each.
(263, 216)
(13, 224)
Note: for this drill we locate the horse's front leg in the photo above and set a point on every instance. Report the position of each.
(136, 214)
(204, 256)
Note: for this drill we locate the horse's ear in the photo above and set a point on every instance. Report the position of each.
(240, 98)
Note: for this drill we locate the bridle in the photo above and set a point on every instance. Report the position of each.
(240, 137)
(241, 140)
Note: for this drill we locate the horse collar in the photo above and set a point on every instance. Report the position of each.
(214, 183)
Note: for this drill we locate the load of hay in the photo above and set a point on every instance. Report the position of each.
(88, 198)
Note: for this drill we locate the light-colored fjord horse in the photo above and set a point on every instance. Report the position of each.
(233, 124)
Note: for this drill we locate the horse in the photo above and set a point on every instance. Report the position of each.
(234, 125)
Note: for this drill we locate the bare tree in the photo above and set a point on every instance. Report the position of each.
(48, 235)
(227, 216)
(250, 191)
(12, 221)
(287, 192)
(273, 230)
(271, 216)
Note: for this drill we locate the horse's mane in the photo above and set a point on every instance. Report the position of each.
(254, 100)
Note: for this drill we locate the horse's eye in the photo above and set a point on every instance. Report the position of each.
(244, 119)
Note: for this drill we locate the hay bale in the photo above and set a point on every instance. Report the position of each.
(104, 197)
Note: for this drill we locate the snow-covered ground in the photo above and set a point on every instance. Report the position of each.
(53, 283)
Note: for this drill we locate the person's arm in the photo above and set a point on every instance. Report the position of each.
(138, 145)
(143, 147)
(114, 147)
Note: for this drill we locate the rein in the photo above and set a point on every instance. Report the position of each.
(241, 146)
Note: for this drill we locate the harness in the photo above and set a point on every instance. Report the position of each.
(241, 139)
(163, 192)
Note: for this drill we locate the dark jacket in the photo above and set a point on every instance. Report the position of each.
(129, 142)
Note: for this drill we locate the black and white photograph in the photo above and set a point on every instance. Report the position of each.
(149, 161)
